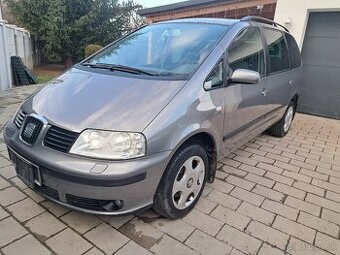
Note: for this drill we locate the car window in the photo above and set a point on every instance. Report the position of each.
(246, 52)
(165, 49)
(295, 56)
(277, 50)
(215, 78)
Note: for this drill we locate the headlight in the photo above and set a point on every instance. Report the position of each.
(109, 144)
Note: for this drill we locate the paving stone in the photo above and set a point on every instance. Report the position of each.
(268, 234)
(94, 251)
(246, 160)
(4, 183)
(326, 185)
(230, 217)
(247, 196)
(25, 209)
(221, 186)
(27, 245)
(80, 222)
(303, 206)
(252, 169)
(239, 240)
(223, 199)
(54, 208)
(37, 198)
(256, 213)
(260, 180)
(236, 252)
(68, 242)
(269, 250)
(132, 248)
(298, 247)
(295, 229)
(10, 231)
(297, 176)
(4, 162)
(327, 243)
(45, 225)
(279, 178)
(178, 229)
(270, 168)
(319, 224)
(287, 166)
(330, 216)
(234, 171)
(290, 191)
(205, 205)
(170, 246)
(103, 235)
(240, 182)
(206, 223)
(280, 209)
(141, 232)
(314, 174)
(204, 244)
(323, 202)
(269, 193)
(18, 183)
(10, 196)
(309, 188)
(3, 213)
(116, 221)
(8, 172)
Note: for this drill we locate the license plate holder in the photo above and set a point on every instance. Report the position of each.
(26, 171)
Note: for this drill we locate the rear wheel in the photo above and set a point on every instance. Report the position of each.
(182, 183)
(281, 128)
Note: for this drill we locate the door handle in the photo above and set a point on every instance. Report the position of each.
(264, 92)
(291, 82)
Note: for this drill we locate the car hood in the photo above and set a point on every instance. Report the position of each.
(79, 99)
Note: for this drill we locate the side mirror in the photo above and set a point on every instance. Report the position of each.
(245, 76)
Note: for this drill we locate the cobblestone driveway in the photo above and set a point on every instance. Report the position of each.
(272, 196)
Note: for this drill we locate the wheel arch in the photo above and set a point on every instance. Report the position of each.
(208, 142)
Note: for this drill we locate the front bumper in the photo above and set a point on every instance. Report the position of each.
(75, 182)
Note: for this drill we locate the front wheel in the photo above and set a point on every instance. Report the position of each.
(182, 183)
(281, 128)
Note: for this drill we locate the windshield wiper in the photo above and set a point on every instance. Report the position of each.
(120, 68)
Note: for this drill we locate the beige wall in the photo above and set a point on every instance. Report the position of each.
(294, 14)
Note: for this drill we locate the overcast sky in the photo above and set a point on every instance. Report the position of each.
(153, 3)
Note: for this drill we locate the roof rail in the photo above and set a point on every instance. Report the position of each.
(264, 20)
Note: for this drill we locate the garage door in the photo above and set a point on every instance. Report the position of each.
(320, 93)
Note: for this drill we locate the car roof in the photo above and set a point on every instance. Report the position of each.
(254, 20)
(218, 21)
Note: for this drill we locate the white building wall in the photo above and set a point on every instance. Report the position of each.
(294, 14)
(14, 41)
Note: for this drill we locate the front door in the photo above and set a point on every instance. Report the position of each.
(246, 104)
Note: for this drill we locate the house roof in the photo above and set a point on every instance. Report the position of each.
(180, 5)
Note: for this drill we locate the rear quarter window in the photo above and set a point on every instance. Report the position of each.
(277, 50)
(295, 56)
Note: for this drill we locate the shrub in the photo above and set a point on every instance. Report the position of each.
(92, 48)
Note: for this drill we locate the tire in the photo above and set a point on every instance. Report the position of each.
(281, 128)
(182, 183)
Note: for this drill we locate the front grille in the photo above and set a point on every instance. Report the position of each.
(31, 129)
(94, 204)
(47, 191)
(19, 118)
(60, 139)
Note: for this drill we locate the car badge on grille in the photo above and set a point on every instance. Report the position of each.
(29, 130)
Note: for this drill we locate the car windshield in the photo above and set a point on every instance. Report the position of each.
(163, 49)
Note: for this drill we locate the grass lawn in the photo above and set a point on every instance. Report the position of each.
(43, 78)
(46, 72)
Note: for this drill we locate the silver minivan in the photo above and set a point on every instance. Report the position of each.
(144, 121)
